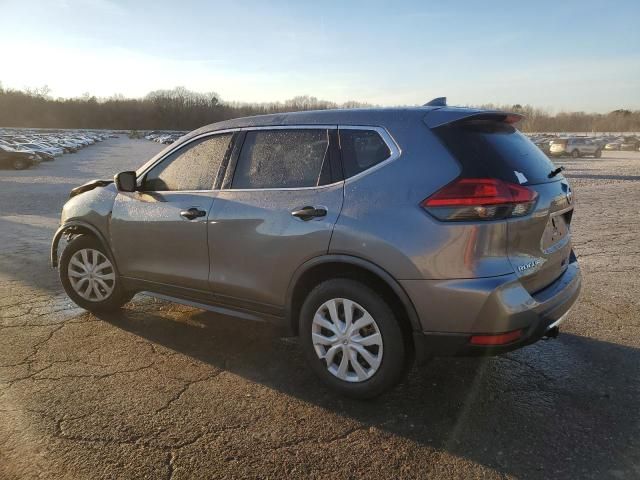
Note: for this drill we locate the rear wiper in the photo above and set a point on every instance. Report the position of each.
(555, 172)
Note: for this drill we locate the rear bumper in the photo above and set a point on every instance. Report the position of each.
(465, 311)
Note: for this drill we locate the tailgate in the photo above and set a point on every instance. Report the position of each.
(539, 245)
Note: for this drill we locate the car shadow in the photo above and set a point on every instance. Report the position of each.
(573, 398)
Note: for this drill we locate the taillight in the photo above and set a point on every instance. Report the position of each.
(467, 199)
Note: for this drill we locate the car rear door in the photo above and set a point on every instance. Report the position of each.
(159, 233)
(281, 199)
(590, 146)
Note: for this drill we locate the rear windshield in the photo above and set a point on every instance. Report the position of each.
(489, 149)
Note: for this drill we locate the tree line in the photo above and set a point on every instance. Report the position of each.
(539, 120)
(182, 109)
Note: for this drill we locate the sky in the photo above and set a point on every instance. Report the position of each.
(559, 55)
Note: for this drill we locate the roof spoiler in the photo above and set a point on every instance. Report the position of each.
(445, 116)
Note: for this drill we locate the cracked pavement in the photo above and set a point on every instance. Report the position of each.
(163, 391)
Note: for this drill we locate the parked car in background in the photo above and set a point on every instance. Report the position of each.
(46, 144)
(630, 143)
(10, 158)
(379, 251)
(575, 147)
(543, 144)
(40, 148)
(614, 144)
(69, 146)
(599, 141)
(41, 154)
(165, 138)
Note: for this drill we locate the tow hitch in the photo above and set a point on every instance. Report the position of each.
(552, 332)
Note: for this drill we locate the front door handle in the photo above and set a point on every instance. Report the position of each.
(307, 213)
(192, 213)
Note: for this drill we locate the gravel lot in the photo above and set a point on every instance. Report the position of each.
(164, 391)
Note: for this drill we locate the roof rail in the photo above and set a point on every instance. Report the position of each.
(437, 102)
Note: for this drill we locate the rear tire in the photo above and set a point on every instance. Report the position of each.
(89, 277)
(375, 354)
(575, 154)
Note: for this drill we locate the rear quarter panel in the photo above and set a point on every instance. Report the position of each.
(382, 221)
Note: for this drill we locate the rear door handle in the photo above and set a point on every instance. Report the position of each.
(192, 213)
(307, 213)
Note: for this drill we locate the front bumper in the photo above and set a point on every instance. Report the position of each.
(494, 306)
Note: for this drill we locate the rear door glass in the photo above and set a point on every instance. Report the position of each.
(282, 158)
(489, 149)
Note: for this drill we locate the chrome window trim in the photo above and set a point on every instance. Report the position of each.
(384, 134)
(304, 126)
(283, 189)
(394, 148)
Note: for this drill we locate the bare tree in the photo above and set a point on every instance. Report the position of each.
(182, 109)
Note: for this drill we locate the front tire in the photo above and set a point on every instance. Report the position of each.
(20, 164)
(575, 154)
(598, 154)
(351, 338)
(89, 276)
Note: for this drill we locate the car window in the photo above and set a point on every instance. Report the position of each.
(487, 149)
(193, 167)
(361, 149)
(282, 159)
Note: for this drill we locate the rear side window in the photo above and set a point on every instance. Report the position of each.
(488, 149)
(193, 167)
(361, 149)
(282, 159)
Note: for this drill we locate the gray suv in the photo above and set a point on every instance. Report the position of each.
(574, 147)
(380, 236)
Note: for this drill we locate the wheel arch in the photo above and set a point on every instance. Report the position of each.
(325, 267)
(76, 227)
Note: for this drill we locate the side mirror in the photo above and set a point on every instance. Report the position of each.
(126, 181)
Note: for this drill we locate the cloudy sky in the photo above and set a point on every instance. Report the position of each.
(568, 55)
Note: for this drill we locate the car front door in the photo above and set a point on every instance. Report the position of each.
(282, 196)
(159, 233)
